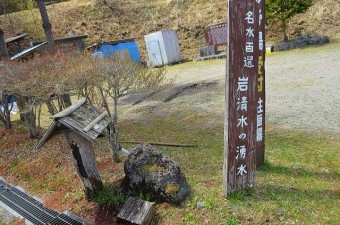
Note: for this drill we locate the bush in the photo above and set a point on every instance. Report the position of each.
(112, 195)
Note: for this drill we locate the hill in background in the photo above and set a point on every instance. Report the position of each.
(118, 19)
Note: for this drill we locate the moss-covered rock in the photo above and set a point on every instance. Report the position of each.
(150, 172)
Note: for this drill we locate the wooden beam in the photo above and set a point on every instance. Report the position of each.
(47, 135)
(70, 109)
(160, 144)
(95, 121)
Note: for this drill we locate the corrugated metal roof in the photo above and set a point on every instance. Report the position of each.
(27, 51)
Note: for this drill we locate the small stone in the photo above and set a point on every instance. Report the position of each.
(200, 205)
(208, 50)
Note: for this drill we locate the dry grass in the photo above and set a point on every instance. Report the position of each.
(131, 18)
(299, 183)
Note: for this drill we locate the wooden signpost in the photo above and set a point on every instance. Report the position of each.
(245, 95)
(216, 34)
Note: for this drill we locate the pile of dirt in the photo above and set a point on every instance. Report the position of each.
(118, 19)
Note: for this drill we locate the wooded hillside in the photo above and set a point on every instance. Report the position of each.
(117, 19)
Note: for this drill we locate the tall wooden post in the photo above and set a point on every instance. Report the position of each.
(244, 102)
(261, 90)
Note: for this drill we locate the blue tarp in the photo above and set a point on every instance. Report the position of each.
(107, 50)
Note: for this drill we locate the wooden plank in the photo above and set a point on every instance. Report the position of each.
(70, 109)
(78, 127)
(47, 135)
(95, 121)
(88, 136)
(136, 211)
(69, 39)
(113, 42)
(16, 38)
(160, 144)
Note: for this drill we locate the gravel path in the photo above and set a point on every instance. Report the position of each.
(303, 87)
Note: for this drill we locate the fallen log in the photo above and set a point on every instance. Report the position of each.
(161, 144)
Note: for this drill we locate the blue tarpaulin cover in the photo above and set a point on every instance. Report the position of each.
(107, 50)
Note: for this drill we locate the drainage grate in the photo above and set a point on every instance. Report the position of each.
(31, 209)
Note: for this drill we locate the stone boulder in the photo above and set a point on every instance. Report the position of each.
(208, 50)
(150, 172)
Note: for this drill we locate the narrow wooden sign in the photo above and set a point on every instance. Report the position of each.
(245, 96)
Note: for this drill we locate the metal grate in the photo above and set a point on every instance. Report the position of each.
(31, 209)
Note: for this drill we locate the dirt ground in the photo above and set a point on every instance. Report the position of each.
(302, 89)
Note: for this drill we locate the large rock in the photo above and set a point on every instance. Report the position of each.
(153, 174)
(208, 50)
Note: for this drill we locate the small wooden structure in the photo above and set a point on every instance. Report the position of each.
(66, 44)
(82, 118)
(81, 123)
(15, 44)
(136, 211)
(74, 42)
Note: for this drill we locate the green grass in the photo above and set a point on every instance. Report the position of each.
(112, 195)
(299, 182)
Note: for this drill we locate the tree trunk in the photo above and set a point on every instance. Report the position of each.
(177, 15)
(50, 107)
(26, 110)
(285, 30)
(85, 163)
(66, 100)
(46, 24)
(5, 113)
(113, 138)
(30, 119)
(3, 47)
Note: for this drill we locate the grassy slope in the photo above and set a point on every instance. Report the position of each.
(131, 18)
(299, 183)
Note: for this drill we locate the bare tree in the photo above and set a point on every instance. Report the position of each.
(118, 76)
(3, 46)
(36, 82)
(5, 110)
(46, 24)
